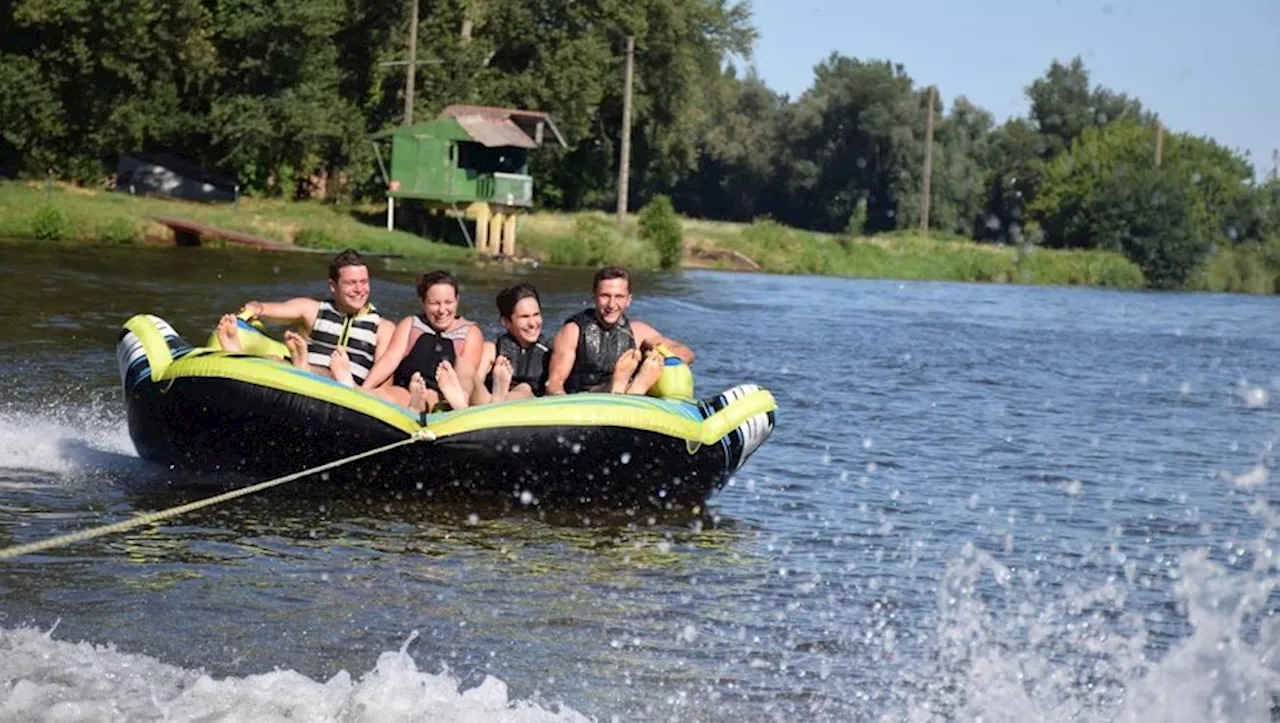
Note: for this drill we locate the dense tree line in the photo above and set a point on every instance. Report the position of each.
(283, 94)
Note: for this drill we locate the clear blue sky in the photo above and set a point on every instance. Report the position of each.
(1209, 67)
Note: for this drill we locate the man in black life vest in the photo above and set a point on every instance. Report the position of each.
(344, 334)
(601, 350)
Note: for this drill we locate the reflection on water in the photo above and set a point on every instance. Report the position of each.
(998, 502)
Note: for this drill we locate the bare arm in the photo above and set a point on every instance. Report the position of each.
(648, 337)
(391, 358)
(298, 310)
(386, 331)
(564, 350)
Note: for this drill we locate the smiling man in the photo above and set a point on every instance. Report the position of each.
(344, 334)
(601, 350)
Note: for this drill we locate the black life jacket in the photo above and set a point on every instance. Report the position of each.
(529, 366)
(598, 350)
(427, 352)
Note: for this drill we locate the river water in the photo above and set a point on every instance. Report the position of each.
(980, 502)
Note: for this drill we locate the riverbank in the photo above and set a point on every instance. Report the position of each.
(69, 214)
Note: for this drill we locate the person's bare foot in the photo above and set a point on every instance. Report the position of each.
(450, 387)
(502, 373)
(417, 393)
(297, 349)
(340, 367)
(228, 336)
(623, 370)
(648, 375)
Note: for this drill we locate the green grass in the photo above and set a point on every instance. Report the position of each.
(909, 255)
(75, 215)
(589, 238)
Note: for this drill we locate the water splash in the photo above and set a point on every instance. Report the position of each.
(1013, 647)
(46, 679)
(70, 440)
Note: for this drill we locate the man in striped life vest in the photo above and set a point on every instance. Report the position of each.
(344, 334)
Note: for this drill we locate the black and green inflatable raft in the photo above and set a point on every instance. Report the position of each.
(201, 409)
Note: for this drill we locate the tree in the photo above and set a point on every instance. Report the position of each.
(1152, 216)
(857, 133)
(961, 167)
(123, 75)
(1075, 183)
(1064, 104)
(279, 117)
(735, 175)
(1015, 171)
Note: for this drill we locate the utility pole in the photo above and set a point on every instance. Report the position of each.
(1159, 141)
(624, 163)
(928, 164)
(1275, 164)
(412, 68)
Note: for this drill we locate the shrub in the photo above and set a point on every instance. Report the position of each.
(316, 238)
(50, 223)
(660, 226)
(857, 224)
(119, 231)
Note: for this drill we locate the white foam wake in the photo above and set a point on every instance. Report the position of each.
(46, 679)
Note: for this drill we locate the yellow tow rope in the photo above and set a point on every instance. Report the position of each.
(149, 518)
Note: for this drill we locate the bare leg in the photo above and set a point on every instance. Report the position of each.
(340, 366)
(479, 394)
(648, 375)
(467, 379)
(297, 349)
(403, 397)
(520, 391)
(623, 370)
(502, 372)
(228, 336)
(450, 389)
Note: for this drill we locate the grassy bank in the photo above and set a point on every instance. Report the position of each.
(75, 215)
(593, 238)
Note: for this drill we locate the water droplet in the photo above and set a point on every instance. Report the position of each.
(1254, 397)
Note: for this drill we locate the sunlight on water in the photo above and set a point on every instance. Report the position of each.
(46, 679)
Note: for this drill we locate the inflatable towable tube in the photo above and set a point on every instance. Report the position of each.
(206, 410)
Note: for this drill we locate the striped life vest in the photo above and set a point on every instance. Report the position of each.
(358, 333)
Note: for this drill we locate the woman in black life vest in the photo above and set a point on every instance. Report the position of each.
(432, 356)
(516, 363)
